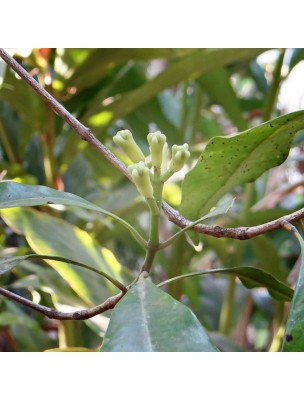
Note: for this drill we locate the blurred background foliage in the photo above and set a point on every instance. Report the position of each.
(190, 95)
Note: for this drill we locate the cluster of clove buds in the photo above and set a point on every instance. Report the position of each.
(141, 172)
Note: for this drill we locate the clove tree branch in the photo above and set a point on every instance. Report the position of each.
(241, 233)
(54, 314)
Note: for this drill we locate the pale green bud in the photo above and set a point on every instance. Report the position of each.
(180, 155)
(125, 140)
(156, 141)
(141, 177)
(165, 156)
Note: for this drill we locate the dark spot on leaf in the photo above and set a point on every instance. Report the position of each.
(271, 126)
(288, 337)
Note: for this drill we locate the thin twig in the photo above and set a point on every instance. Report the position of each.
(84, 132)
(240, 233)
(54, 314)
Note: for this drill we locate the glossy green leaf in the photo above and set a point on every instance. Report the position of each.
(218, 86)
(48, 235)
(190, 66)
(250, 277)
(230, 161)
(14, 194)
(148, 319)
(294, 338)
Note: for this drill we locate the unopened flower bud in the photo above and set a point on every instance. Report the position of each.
(125, 140)
(156, 141)
(180, 155)
(141, 177)
(165, 156)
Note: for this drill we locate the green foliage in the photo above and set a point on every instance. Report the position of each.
(293, 339)
(251, 278)
(83, 210)
(230, 161)
(147, 319)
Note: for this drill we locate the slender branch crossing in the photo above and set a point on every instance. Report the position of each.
(240, 233)
(54, 314)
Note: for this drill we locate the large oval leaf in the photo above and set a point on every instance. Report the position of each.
(230, 161)
(294, 338)
(148, 319)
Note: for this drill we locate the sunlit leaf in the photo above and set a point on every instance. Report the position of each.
(14, 194)
(8, 263)
(48, 235)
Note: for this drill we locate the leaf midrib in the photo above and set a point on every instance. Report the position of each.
(143, 309)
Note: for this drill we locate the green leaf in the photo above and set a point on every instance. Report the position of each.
(50, 281)
(217, 84)
(294, 338)
(230, 161)
(14, 194)
(296, 56)
(190, 66)
(148, 319)
(100, 61)
(250, 277)
(46, 234)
